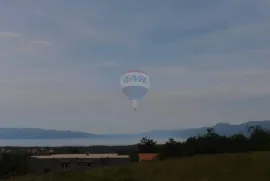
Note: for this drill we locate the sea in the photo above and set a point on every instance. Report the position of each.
(74, 142)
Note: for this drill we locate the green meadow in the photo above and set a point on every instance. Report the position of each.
(254, 166)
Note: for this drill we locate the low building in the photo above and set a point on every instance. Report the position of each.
(148, 156)
(65, 162)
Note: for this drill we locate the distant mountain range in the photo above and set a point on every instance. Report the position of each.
(35, 133)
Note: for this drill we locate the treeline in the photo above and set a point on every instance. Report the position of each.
(12, 164)
(70, 149)
(210, 143)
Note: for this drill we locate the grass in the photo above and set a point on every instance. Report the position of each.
(226, 167)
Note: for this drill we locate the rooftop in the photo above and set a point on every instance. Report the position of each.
(112, 155)
(147, 156)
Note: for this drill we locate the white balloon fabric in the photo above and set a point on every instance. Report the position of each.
(135, 84)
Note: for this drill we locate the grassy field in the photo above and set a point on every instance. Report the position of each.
(225, 167)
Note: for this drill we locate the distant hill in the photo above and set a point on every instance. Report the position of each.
(36, 133)
(220, 128)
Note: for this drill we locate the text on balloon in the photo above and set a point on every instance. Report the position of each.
(135, 78)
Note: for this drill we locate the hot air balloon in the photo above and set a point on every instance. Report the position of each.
(135, 85)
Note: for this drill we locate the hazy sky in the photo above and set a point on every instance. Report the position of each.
(61, 61)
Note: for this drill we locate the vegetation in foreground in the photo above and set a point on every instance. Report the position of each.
(234, 167)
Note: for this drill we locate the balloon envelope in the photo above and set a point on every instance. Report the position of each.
(135, 85)
(134, 93)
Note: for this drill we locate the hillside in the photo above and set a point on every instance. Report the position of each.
(233, 167)
(34, 133)
(221, 128)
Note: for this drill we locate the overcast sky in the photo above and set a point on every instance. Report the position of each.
(61, 61)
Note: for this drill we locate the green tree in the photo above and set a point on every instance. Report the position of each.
(171, 148)
(259, 138)
(238, 143)
(147, 145)
(5, 164)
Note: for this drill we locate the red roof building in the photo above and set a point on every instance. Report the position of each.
(147, 156)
